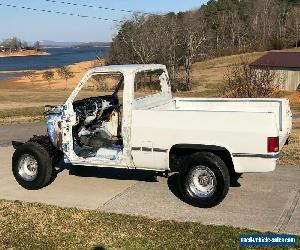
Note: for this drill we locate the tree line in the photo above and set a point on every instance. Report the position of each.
(16, 44)
(218, 28)
(64, 73)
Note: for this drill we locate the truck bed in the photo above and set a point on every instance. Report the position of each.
(280, 107)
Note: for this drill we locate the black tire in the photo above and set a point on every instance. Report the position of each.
(205, 164)
(45, 172)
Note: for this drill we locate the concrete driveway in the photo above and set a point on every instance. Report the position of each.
(265, 202)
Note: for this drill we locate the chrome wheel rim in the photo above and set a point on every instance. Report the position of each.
(201, 182)
(28, 167)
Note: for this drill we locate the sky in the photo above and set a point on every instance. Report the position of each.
(33, 26)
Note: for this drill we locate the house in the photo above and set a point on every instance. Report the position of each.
(285, 65)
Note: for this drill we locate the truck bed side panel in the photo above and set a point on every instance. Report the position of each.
(155, 132)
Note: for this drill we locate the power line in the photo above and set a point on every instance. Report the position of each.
(59, 12)
(97, 7)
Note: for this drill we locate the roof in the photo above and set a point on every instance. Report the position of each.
(278, 59)
(129, 68)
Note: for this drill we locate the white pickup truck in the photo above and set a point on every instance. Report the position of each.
(208, 141)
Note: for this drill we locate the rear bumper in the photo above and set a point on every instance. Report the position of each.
(254, 163)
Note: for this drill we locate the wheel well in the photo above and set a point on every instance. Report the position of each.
(179, 153)
(43, 140)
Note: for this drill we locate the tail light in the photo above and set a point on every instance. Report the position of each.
(273, 144)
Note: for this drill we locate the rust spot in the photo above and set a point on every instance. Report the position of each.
(59, 141)
(111, 116)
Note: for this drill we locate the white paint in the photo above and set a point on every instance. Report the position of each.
(238, 132)
(280, 107)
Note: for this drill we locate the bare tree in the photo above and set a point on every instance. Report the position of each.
(170, 52)
(144, 38)
(295, 25)
(65, 73)
(25, 45)
(100, 83)
(193, 42)
(242, 81)
(37, 46)
(48, 76)
(12, 44)
(30, 75)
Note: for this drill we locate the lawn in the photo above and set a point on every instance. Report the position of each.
(36, 226)
(27, 111)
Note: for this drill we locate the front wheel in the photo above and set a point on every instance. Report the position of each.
(204, 181)
(32, 166)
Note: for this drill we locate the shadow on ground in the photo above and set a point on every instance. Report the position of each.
(111, 173)
(173, 181)
(173, 184)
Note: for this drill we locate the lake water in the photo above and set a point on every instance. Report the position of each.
(58, 57)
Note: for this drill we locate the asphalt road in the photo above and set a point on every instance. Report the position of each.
(20, 132)
(265, 202)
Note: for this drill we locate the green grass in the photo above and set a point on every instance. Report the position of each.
(22, 112)
(36, 226)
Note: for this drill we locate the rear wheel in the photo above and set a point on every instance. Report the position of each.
(32, 166)
(204, 181)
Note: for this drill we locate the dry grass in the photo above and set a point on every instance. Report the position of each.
(14, 99)
(35, 226)
(23, 53)
(289, 155)
(208, 76)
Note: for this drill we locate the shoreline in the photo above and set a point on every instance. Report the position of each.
(37, 82)
(23, 53)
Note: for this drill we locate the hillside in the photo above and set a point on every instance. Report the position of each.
(49, 44)
(208, 76)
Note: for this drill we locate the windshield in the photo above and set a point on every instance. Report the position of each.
(102, 85)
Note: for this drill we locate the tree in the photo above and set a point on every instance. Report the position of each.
(193, 42)
(48, 76)
(30, 74)
(144, 38)
(243, 81)
(25, 45)
(100, 83)
(294, 22)
(12, 44)
(170, 54)
(37, 46)
(65, 73)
